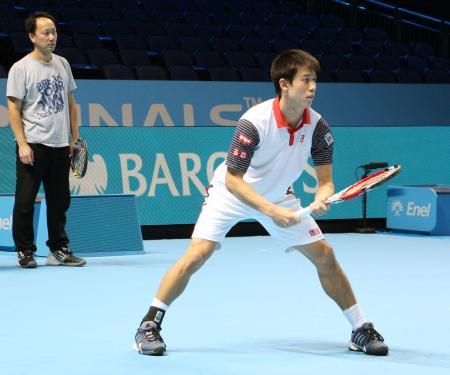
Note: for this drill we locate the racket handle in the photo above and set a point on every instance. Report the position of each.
(303, 212)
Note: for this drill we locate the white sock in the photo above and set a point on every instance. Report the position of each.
(355, 316)
(160, 305)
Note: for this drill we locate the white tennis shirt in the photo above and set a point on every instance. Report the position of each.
(271, 154)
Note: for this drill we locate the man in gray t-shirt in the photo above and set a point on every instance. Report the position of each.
(43, 117)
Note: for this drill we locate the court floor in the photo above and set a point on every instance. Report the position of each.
(252, 309)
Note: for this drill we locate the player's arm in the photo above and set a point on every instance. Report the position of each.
(73, 116)
(324, 190)
(26, 155)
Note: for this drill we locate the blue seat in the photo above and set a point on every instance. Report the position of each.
(223, 45)
(191, 44)
(442, 63)
(376, 34)
(85, 27)
(280, 20)
(265, 7)
(12, 24)
(268, 33)
(73, 13)
(130, 41)
(222, 19)
(208, 59)
(254, 45)
(182, 73)
(331, 63)
(134, 58)
(265, 60)
(176, 30)
(422, 49)
(87, 41)
(65, 40)
(195, 17)
(395, 48)
(295, 33)
(238, 32)
(94, 3)
(389, 62)
(239, 7)
(151, 72)
(371, 48)
(3, 72)
(21, 42)
(341, 48)
(223, 73)
(349, 76)
(325, 76)
(253, 20)
(361, 63)
(351, 35)
(325, 35)
(147, 29)
(102, 57)
(113, 28)
(437, 76)
(117, 71)
(408, 76)
(160, 43)
(182, 5)
(7, 10)
(104, 14)
(73, 55)
(176, 57)
(291, 8)
(133, 15)
(416, 63)
(211, 31)
(281, 45)
(306, 21)
(255, 75)
(314, 47)
(332, 21)
(381, 76)
(121, 5)
(240, 59)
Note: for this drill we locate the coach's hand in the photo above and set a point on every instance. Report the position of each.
(26, 154)
(284, 217)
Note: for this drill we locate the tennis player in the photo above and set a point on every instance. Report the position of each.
(43, 116)
(269, 151)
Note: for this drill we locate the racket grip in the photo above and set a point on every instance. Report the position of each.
(303, 212)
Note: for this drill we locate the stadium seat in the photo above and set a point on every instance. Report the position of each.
(381, 76)
(223, 73)
(21, 42)
(332, 63)
(134, 58)
(422, 49)
(341, 48)
(389, 63)
(351, 35)
(191, 44)
(371, 48)
(114, 27)
(101, 57)
(331, 21)
(281, 45)
(361, 63)
(255, 75)
(73, 55)
(349, 76)
(130, 41)
(416, 63)
(160, 43)
(314, 47)
(399, 49)
(87, 41)
(3, 72)
(375, 34)
(306, 21)
(408, 76)
(182, 73)
(117, 71)
(254, 45)
(209, 59)
(151, 72)
(240, 59)
(437, 76)
(442, 63)
(223, 45)
(176, 57)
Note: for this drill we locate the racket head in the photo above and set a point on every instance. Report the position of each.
(370, 182)
(79, 159)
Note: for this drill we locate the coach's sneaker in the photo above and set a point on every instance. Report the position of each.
(64, 257)
(25, 259)
(366, 339)
(148, 339)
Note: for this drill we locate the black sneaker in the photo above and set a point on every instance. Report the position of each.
(64, 257)
(148, 340)
(366, 339)
(25, 259)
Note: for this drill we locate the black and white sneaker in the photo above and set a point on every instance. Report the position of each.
(366, 339)
(25, 259)
(64, 257)
(148, 340)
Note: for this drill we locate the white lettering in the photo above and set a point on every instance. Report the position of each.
(211, 165)
(6, 223)
(188, 110)
(216, 111)
(419, 211)
(4, 119)
(187, 174)
(312, 172)
(161, 163)
(156, 110)
(97, 113)
(127, 114)
(128, 173)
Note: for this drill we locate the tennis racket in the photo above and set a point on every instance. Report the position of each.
(368, 183)
(79, 159)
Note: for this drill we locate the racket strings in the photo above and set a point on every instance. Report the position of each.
(369, 182)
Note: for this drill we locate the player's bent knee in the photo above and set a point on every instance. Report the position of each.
(326, 259)
(198, 253)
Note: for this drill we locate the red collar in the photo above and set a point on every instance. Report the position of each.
(282, 123)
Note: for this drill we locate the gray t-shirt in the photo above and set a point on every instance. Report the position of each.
(43, 89)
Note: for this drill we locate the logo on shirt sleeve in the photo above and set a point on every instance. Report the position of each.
(329, 139)
(239, 153)
(243, 139)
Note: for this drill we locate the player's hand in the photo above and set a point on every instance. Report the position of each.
(285, 217)
(319, 207)
(26, 154)
(71, 145)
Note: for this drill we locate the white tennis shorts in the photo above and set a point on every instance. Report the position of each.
(222, 210)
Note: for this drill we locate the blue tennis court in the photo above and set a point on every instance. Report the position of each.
(251, 310)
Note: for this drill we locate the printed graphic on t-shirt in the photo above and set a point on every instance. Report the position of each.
(52, 96)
